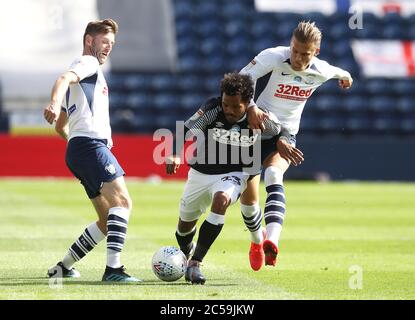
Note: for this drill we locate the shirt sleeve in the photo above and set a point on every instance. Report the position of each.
(335, 72)
(84, 67)
(272, 125)
(266, 61)
(204, 116)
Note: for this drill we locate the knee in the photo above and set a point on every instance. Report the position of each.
(124, 200)
(273, 175)
(221, 202)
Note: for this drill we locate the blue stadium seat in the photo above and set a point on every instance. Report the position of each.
(355, 104)
(235, 47)
(393, 32)
(332, 124)
(136, 82)
(381, 104)
(163, 83)
(211, 65)
(139, 100)
(359, 125)
(386, 124)
(327, 103)
(407, 125)
(212, 46)
(405, 105)
(403, 86)
(189, 64)
(393, 18)
(189, 83)
(183, 9)
(379, 87)
(184, 27)
(117, 99)
(192, 101)
(165, 102)
(339, 31)
(235, 27)
(368, 32)
(208, 28)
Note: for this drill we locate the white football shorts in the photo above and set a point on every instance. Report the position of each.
(200, 189)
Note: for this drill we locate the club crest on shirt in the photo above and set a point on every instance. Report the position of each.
(111, 169)
(309, 79)
(297, 79)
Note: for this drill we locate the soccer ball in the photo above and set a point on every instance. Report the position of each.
(169, 263)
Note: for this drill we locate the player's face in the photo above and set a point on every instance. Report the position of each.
(302, 53)
(233, 107)
(101, 46)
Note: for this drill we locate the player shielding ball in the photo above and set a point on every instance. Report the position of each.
(223, 126)
(296, 73)
(84, 122)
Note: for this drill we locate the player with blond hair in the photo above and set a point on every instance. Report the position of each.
(296, 73)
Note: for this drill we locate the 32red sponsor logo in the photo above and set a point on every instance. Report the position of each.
(289, 90)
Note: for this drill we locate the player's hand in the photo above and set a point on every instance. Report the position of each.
(345, 83)
(172, 164)
(50, 114)
(256, 118)
(289, 153)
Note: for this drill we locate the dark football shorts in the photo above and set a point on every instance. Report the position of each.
(92, 163)
(269, 146)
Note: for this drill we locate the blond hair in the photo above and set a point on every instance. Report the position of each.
(307, 32)
(101, 26)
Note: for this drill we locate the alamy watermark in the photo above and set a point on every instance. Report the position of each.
(356, 20)
(356, 278)
(213, 146)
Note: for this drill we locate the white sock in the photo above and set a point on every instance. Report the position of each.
(215, 219)
(117, 230)
(252, 218)
(273, 232)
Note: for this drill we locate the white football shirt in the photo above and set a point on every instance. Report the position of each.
(288, 90)
(86, 103)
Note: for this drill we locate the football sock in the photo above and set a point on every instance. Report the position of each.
(252, 217)
(85, 243)
(184, 239)
(274, 212)
(208, 233)
(117, 231)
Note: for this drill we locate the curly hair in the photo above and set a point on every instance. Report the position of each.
(235, 83)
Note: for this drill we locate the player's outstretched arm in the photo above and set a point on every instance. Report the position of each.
(59, 89)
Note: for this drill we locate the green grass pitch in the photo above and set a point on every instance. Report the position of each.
(340, 241)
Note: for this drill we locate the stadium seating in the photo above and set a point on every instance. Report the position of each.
(215, 37)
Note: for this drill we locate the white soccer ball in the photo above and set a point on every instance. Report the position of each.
(169, 263)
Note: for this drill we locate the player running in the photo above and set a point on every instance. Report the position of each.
(221, 128)
(296, 73)
(83, 92)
